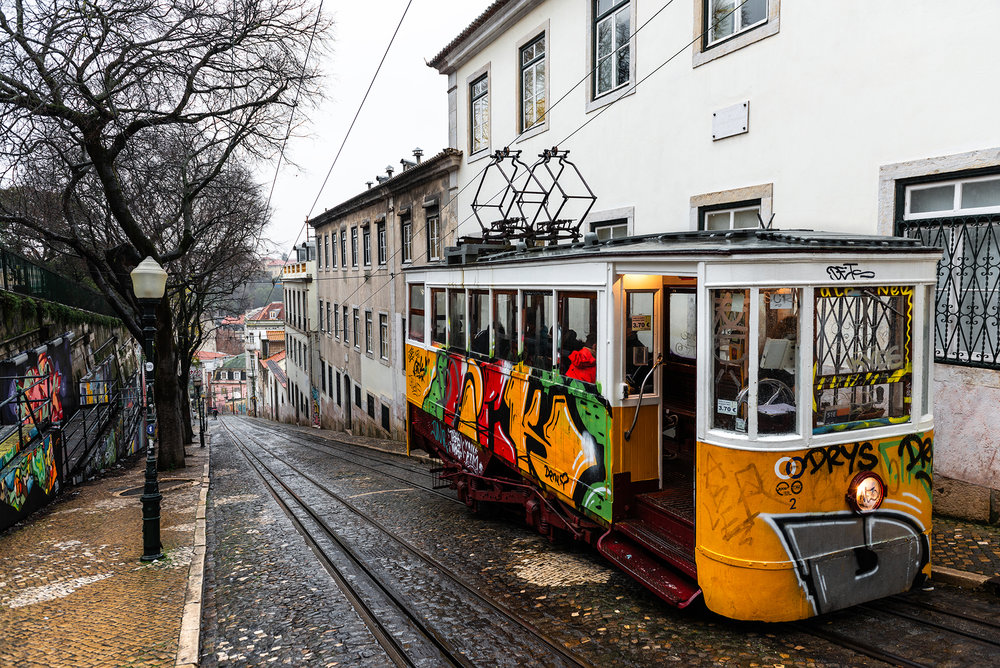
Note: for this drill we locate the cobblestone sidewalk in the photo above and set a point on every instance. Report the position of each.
(72, 589)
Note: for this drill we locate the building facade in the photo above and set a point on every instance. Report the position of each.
(362, 244)
(710, 114)
(228, 390)
(264, 329)
(301, 331)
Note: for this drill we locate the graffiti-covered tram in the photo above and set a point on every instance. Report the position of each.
(742, 416)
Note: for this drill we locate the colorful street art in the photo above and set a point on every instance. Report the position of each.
(36, 393)
(551, 429)
(773, 533)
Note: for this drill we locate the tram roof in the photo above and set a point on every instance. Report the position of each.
(696, 243)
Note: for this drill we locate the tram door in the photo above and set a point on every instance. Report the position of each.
(679, 389)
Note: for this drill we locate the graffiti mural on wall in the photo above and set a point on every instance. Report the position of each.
(315, 407)
(549, 428)
(37, 391)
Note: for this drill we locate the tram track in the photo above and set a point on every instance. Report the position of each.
(452, 655)
(322, 445)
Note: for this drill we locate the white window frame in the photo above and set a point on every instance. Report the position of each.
(435, 241)
(406, 234)
(383, 335)
(956, 209)
(354, 246)
(537, 63)
(381, 243)
(479, 150)
(366, 245)
(596, 100)
(704, 51)
(356, 322)
(732, 211)
(369, 333)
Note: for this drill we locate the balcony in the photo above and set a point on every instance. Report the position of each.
(299, 271)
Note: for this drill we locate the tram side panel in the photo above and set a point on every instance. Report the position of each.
(554, 433)
(778, 542)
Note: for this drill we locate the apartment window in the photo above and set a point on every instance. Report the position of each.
(370, 400)
(383, 336)
(330, 320)
(333, 249)
(366, 244)
(435, 242)
(357, 396)
(743, 215)
(354, 246)
(479, 114)
(338, 388)
(726, 18)
(347, 336)
(962, 218)
(357, 329)
(612, 49)
(326, 250)
(532, 62)
(343, 249)
(322, 366)
(368, 332)
(321, 316)
(406, 239)
(610, 229)
(380, 227)
(385, 417)
(329, 373)
(336, 321)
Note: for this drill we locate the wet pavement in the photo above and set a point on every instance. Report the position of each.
(73, 593)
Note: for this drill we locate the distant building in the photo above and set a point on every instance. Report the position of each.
(229, 338)
(274, 387)
(228, 389)
(362, 244)
(301, 331)
(264, 335)
(274, 267)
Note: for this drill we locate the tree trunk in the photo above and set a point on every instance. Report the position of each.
(171, 455)
(184, 402)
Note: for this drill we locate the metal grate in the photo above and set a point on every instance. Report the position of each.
(967, 305)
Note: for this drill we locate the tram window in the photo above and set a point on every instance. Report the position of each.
(504, 323)
(479, 322)
(862, 357)
(730, 332)
(578, 335)
(416, 329)
(683, 342)
(536, 340)
(439, 320)
(777, 344)
(639, 319)
(456, 320)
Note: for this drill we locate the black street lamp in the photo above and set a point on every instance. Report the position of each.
(199, 397)
(148, 282)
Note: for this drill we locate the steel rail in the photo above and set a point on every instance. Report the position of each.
(927, 622)
(383, 636)
(445, 570)
(856, 645)
(945, 611)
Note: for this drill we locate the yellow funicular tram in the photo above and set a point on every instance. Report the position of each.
(740, 415)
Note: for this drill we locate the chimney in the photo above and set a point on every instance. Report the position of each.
(407, 164)
(418, 153)
(389, 170)
(369, 184)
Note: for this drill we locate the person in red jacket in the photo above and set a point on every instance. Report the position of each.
(583, 365)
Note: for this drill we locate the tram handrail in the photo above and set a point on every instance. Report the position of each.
(638, 405)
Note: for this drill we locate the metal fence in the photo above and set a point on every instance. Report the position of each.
(23, 276)
(967, 305)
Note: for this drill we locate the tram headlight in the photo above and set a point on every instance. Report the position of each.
(866, 492)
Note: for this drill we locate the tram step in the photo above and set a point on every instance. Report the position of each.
(659, 577)
(676, 523)
(663, 545)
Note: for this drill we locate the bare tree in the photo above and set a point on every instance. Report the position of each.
(127, 111)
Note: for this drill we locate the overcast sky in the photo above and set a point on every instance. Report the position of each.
(406, 108)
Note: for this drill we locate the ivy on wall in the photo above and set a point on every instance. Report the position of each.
(15, 306)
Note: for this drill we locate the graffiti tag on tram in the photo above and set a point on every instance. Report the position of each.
(558, 477)
(853, 455)
(847, 272)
